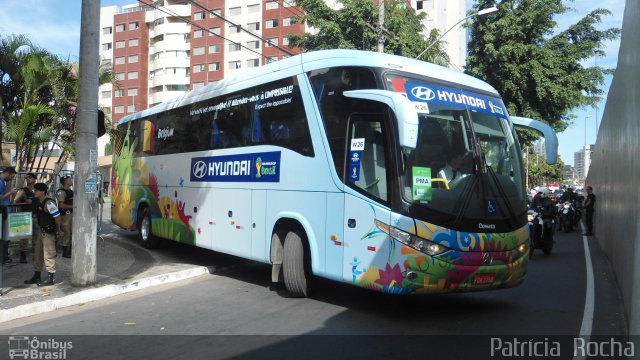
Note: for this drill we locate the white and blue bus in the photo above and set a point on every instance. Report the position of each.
(372, 169)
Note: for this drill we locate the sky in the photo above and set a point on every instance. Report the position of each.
(58, 30)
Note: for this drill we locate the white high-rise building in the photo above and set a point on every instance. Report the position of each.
(443, 15)
(582, 162)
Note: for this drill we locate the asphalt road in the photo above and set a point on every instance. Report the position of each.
(239, 299)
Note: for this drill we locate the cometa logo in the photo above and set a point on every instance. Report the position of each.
(486, 226)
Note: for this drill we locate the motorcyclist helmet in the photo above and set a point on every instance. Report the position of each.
(543, 191)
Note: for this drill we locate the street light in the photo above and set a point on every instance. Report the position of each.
(585, 130)
(479, 13)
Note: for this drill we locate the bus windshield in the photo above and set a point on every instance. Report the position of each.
(465, 164)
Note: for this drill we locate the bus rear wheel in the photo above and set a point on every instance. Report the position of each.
(145, 235)
(294, 266)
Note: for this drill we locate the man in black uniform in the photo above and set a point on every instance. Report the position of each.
(49, 223)
(589, 204)
(569, 195)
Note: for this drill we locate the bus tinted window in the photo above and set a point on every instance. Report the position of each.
(328, 85)
(272, 114)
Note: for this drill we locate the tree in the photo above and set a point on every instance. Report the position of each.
(354, 26)
(536, 68)
(39, 94)
(539, 172)
(13, 50)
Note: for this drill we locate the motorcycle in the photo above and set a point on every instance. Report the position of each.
(540, 231)
(568, 216)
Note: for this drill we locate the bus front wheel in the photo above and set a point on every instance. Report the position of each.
(294, 267)
(144, 230)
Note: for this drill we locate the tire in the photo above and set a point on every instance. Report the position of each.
(531, 247)
(294, 266)
(147, 239)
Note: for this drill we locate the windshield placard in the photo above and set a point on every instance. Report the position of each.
(434, 94)
(421, 185)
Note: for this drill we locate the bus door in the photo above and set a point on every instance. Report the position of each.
(367, 195)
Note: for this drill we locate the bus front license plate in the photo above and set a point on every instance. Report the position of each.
(484, 279)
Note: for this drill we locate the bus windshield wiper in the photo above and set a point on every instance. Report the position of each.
(501, 191)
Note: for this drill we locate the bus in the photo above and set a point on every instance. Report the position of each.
(334, 164)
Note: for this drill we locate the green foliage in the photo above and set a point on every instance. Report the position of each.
(539, 172)
(536, 67)
(38, 93)
(354, 26)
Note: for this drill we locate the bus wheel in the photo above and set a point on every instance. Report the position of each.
(293, 266)
(144, 230)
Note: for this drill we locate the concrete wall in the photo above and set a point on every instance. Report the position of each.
(615, 169)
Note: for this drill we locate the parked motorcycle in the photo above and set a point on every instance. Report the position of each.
(540, 231)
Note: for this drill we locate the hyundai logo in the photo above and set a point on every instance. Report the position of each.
(487, 259)
(199, 169)
(423, 93)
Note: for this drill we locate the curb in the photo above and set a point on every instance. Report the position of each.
(98, 294)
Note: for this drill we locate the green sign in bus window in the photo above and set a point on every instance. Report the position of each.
(421, 186)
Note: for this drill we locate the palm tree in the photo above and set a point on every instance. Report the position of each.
(13, 51)
(21, 128)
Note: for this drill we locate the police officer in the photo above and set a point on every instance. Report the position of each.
(49, 223)
(65, 203)
(6, 176)
(570, 196)
(24, 197)
(589, 205)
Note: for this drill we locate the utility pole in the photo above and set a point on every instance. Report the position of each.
(85, 213)
(380, 29)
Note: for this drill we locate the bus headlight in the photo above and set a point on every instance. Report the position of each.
(418, 243)
(522, 248)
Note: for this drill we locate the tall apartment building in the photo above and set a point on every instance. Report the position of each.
(159, 49)
(582, 162)
(443, 15)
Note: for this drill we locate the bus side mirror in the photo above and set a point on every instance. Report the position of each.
(550, 137)
(405, 112)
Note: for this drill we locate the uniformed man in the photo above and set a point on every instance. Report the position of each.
(24, 197)
(6, 192)
(49, 223)
(65, 203)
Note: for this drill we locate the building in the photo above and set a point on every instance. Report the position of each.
(582, 162)
(444, 15)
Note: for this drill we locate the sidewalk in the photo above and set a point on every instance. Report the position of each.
(122, 266)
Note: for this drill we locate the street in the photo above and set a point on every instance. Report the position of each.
(239, 299)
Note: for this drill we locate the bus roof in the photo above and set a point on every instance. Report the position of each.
(311, 61)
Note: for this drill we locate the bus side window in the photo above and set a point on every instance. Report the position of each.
(369, 173)
(328, 85)
(283, 122)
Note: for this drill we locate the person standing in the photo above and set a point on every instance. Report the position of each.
(24, 196)
(589, 206)
(65, 203)
(49, 225)
(7, 175)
